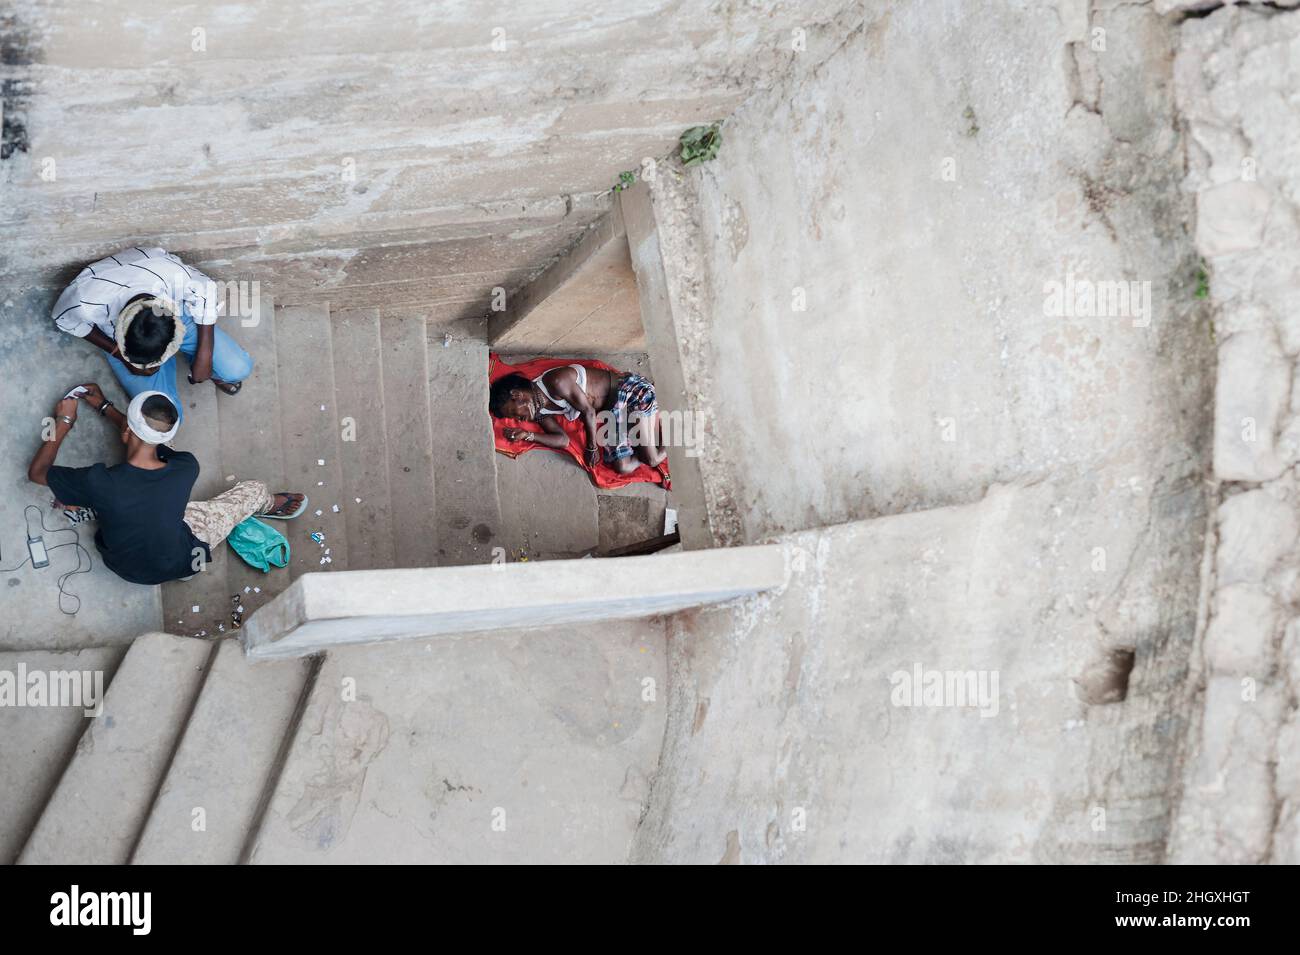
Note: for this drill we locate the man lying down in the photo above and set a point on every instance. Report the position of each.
(619, 410)
(149, 529)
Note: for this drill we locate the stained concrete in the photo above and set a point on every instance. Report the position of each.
(103, 797)
(859, 288)
(1235, 82)
(585, 302)
(36, 742)
(38, 364)
(518, 746)
(226, 759)
(788, 740)
(352, 129)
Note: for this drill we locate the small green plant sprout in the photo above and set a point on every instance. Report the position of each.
(1202, 282)
(700, 144)
(626, 180)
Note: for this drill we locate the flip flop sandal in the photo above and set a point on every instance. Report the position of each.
(229, 387)
(280, 514)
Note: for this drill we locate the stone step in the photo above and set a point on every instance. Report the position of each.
(252, 448)
(200, 434)
(467, 510)
(359, 399)
(36, 742)
(96, 811)
(310, 428)
(409, 437)
(225, 761)
(545, 731)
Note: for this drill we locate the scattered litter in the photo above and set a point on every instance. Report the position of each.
(194, 609)
(221, 628)
(327, 551)
(319, 512)
(336, 508)
(358, 500)
(318, 537)
(446, 341)
(322, 407)
(247, 589)
(320, 462)
(257, 590)
(320, 483)
(239, 609)
(322, 560)
(230, 477)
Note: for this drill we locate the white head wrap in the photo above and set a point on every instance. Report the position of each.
(136, 421)
(162, 305)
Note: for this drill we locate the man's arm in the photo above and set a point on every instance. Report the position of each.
(65, 414)
(201, 366)
(554, 436)
(95, 397)
(577, 397)
(96, 337)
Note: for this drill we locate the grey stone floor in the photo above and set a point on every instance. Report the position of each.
(38, 364)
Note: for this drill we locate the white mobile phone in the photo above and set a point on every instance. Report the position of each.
(37, 548)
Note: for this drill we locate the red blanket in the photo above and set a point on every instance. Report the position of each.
(602, 475)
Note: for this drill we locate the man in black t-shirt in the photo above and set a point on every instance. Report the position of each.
(149, 530)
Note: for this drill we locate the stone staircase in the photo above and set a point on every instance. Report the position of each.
(200, 756)
(365, 410)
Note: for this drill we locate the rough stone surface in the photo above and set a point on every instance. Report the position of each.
(519, 746)
(38, 364)
(95, 814)
(225, 761)
(785, 743)
(936, 364)
(1236, 75)
(36, 742)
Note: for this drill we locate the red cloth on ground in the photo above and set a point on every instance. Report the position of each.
(602, 475)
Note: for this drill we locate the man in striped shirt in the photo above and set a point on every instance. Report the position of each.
(142, 306)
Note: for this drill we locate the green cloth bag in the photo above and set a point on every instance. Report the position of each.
(259, 545)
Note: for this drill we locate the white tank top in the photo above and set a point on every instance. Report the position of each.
(566, 409)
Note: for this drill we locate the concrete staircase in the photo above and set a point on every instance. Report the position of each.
(400, 752)
(200, 756)
(379, 417)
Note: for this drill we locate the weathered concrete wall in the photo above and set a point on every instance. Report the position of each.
(249, 136)
(786, 743)
(865, 268)
(862, 284)
(1237, 75)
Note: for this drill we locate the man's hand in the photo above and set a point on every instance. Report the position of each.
(68, 406)
(93, 395)
(517, 434)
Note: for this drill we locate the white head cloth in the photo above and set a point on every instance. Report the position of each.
(135, 420)
(162, 305)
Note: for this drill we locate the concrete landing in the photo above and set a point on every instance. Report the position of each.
(512, 747)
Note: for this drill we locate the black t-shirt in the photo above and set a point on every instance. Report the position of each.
(142, 533)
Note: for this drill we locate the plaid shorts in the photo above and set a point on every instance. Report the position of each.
(635, 400)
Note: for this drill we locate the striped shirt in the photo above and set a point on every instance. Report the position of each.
(99, 291)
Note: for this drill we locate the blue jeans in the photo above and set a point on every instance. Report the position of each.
(229, 363)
